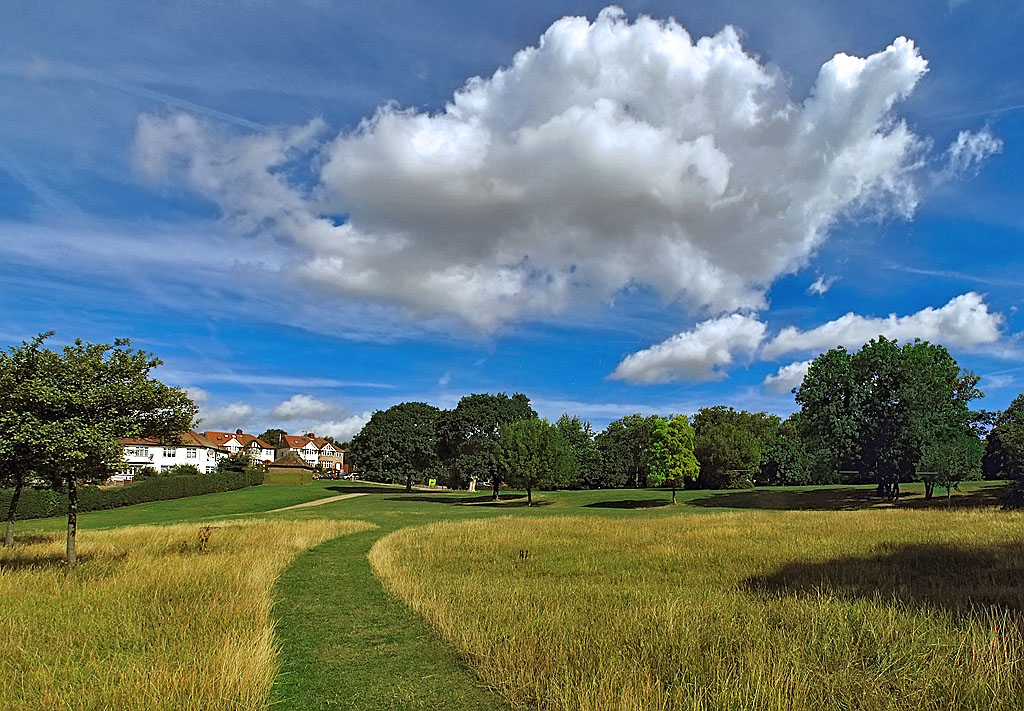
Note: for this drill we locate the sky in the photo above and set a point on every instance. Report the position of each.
(313, 210)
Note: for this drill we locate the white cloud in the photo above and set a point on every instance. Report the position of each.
(997, 382)
(821, 285)
(302, 407)
(343, 429)
(970, 149)
(227, 418)
(964, 322)
(694, 355)
(610, 154)
(787, 377)
(198, 395)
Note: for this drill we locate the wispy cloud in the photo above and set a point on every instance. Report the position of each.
(287, 381)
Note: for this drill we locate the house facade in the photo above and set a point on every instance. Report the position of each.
(238, 441)
(152, 453)
(315, 451)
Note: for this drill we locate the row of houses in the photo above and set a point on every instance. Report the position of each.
(203, 451)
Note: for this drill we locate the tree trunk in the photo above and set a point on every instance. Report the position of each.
(929, 489)
(673, 492)
(408, 484)
(9, 538)
(496, 485)
(72, 556)
(529, 497)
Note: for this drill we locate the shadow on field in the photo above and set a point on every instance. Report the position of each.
(369, 489)
(846, 499)
(629, 504)
(959, 579)
(504, 501)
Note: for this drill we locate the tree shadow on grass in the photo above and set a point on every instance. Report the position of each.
(369, 489)
(504, 501)
(845, 499)
(959, 579)
(629, 504)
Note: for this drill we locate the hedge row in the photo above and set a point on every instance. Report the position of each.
(40, 503)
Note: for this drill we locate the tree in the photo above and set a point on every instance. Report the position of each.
(784, 459)
(466, 435)
(579, 435)
(82, 400)
(948, 459)
(673, 461)
(235, 462)
(625, 447)
(21, 388)
(532, 453)
(1004, 445)
(728, 456)
(399, 443)
(876, 410)
(274, 436)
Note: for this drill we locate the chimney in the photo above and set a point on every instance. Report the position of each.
(238, 431)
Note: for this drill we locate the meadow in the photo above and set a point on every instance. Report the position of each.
(774, 598)
(854, 610)
(153, 617)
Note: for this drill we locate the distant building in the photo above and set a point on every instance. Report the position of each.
(314, 451)
(237, 441)
(152, 453)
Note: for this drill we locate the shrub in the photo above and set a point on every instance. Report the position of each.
(41, 503)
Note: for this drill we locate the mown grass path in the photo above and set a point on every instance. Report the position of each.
(371, 652)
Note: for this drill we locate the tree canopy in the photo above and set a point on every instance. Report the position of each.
(673, 461)
(531, 454)
(398, 444)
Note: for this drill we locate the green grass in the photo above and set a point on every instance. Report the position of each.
(873, 609)
(345, 643)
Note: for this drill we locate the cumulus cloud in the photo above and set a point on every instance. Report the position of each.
(970, 149)
(787, 377)
(302, 407)
(821, 285)
(344, 429)
(198, 395)
(227, 418)
(694, 355)
(612, 153)
(963, 322)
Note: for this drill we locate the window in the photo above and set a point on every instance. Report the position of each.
(169, 451)
(191, 453)
(209, 470)
(164, 468)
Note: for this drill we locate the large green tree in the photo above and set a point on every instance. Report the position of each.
(625, 447)
(531, 454)
(1004, 445)
(81, 400)
(673, 461)
(579, 435)
(21, 391)
(398, 444)
(467, 433)
(875, 411)
(729, 456)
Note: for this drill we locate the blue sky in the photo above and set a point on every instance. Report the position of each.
(309, 211)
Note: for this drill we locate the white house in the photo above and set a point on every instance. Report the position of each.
(149, 452)
(237, 441)
(315, 451)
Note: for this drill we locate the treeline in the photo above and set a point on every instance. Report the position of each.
(886, 414)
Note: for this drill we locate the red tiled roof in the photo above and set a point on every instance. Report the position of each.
(297, 441)
(244, 439)
(185, 439)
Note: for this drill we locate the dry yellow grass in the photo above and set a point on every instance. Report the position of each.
(879, 610)
(151, 618)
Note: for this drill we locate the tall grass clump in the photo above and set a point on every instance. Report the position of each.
(152, 617)
(877, 610)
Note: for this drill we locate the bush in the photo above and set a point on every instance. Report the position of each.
(40, 503)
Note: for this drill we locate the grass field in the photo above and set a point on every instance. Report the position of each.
(860, 610)
(151, 618)
(344, 642)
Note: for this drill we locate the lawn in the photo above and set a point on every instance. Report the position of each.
(346, 643)
(153, 617)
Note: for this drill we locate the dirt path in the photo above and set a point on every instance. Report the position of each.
(318, 502)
